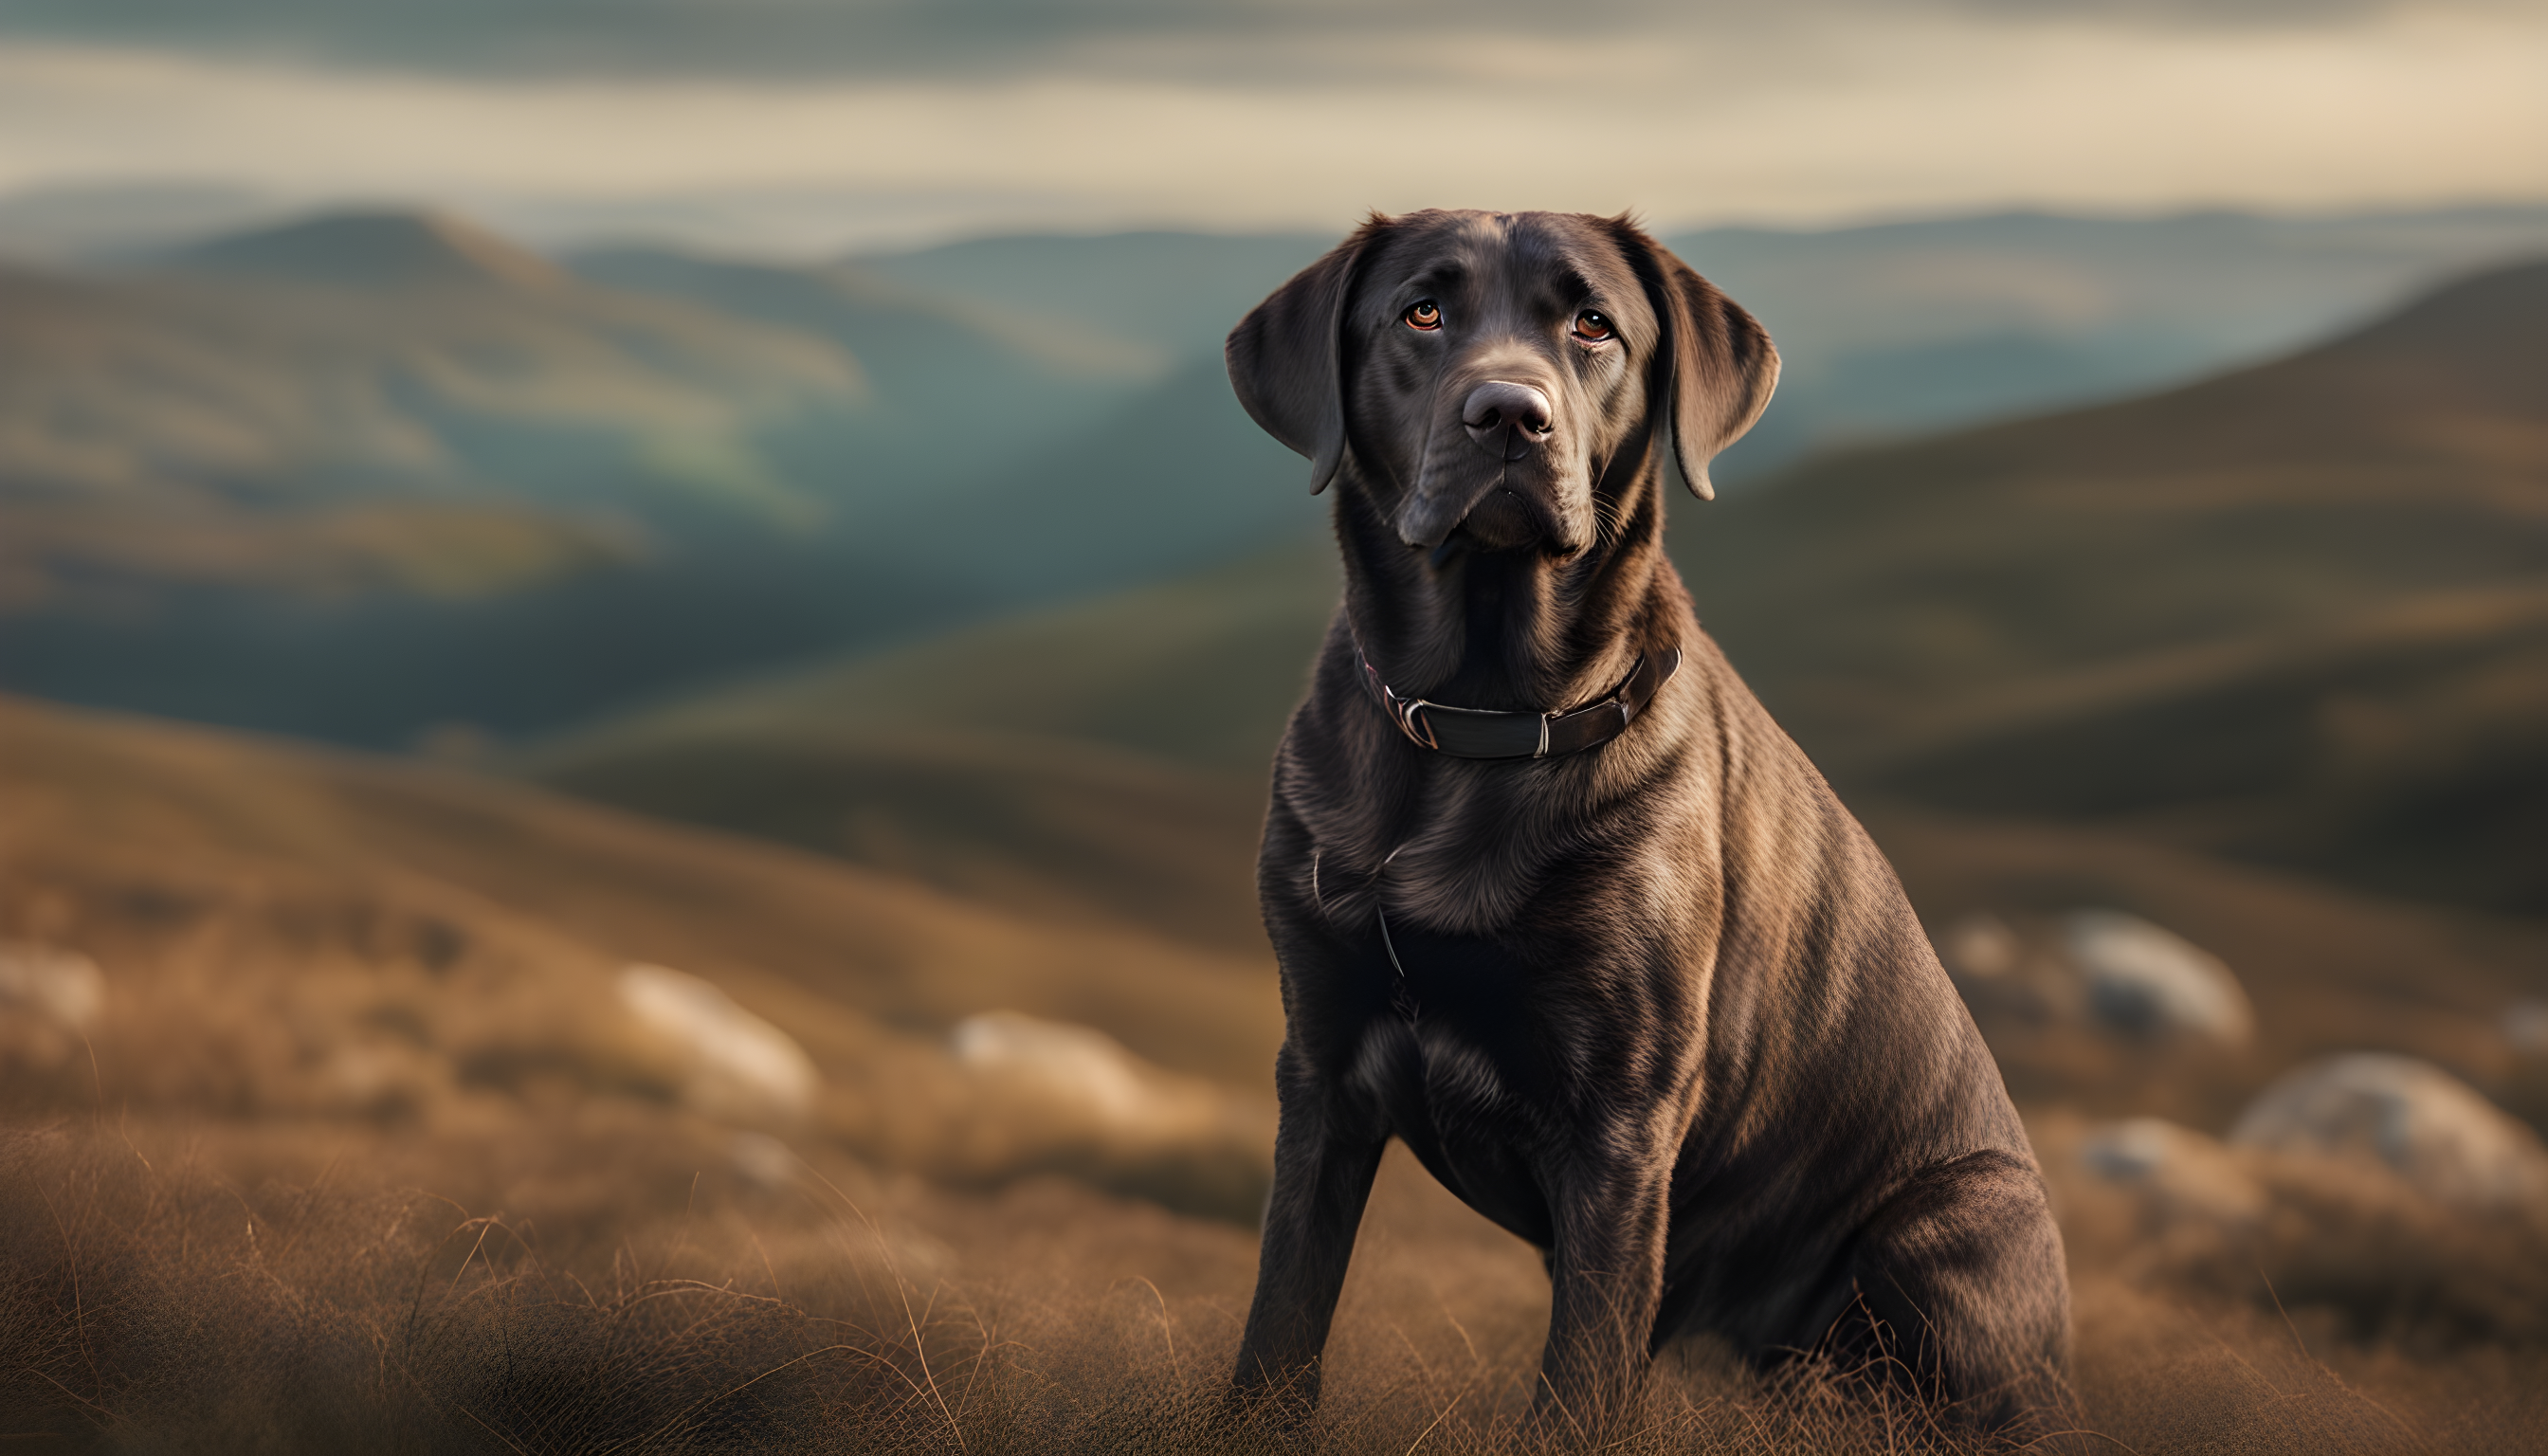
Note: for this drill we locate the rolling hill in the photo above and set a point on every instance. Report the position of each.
(222, 428)
(1106, 759)
(362, 474)
(1069, 459)
(106, 813)
(2298, 613)
(381, 478)
(941, 359)
(371, 403)
(1909, 327)
(346, 946)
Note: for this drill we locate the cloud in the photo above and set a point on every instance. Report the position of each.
(968, 114)
(909, 39)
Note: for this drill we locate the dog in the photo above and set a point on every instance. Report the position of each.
(1558, 905)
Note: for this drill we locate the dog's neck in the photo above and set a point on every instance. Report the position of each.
(1519, 630)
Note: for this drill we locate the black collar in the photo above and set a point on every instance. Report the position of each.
(1487, 733)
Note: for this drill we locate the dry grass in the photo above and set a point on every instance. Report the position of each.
(352, 1158)
(607, 1283)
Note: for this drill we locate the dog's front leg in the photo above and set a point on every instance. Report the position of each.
(1606, 1276)
(1326, 1150)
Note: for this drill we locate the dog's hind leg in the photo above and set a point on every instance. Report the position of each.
(1325, 1154)
(1962, 1299)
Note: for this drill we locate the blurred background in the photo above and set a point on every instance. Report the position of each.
(640, 642)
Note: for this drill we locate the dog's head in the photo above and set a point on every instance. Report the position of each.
(1488, 372)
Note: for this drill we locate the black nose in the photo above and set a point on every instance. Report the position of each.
(1507, 419)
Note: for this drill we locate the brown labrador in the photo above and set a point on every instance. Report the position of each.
(1558, 905)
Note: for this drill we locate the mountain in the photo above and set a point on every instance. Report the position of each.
(65, 222)
(1901, 328)
(1024, 454)
(1160, 484)
(373, 250)
(2298, 613)
(377, 477)
(328, 477)
(350, 363)
(362, 474)
(969, 385)
(1175, 291)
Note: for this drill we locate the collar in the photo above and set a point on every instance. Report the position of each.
(1488, 733)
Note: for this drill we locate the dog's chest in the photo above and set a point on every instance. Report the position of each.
(1463, 1056)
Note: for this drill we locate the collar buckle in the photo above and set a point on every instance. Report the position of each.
(1405, 711)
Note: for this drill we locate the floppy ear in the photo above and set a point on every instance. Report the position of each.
(1722, 366)
(1286, 358)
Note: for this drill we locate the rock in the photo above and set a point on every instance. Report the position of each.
(2525, 1025)
(2184, 1174)
(1050, 1096)
(64, 985)
(1082, 1075)
(737, 1065)
(2147, 981)
(1979, 948)
(2100, 968)
(762, 1160)
(2432, 1128)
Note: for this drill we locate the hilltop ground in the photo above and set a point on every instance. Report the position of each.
(360, 1152)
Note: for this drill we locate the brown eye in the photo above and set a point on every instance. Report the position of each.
(1426, 316)
(1592, 324)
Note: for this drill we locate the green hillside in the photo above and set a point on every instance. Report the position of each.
(939, 360)
(363, 474)
(1899, 328)
(2297, 613)
(459, 417)
(1176, 293)
(1107, 759)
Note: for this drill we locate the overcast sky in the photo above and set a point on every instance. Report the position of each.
(872, 117)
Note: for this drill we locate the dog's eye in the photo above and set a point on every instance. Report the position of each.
(1426, 316)
(1592, 324)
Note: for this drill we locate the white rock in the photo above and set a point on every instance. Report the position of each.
(2437, 1132)
(763, 1159)
(2184, 1172)
(1074, 1064)
(1979, 947)
(62, 985)
(739, 1064)
(1079, 1079)
(2145, 980)
(2525, 1025)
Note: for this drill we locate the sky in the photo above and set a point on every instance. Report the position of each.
(818, 121)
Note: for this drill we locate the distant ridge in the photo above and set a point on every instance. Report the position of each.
(373, 251)
(2292, 613)
(2489, 328)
